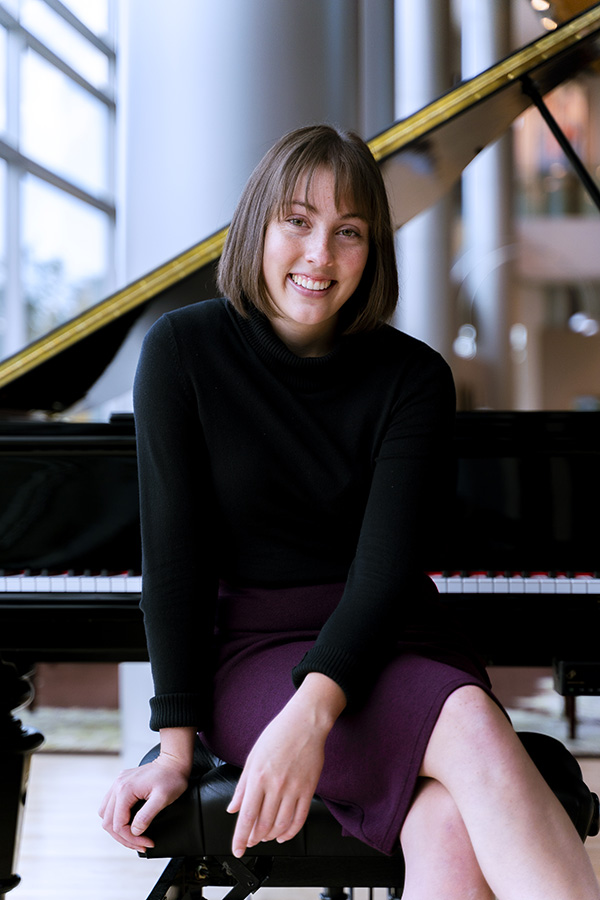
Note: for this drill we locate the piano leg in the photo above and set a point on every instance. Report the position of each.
(16, 747)
(571, 716)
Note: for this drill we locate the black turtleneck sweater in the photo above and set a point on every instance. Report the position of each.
(260, 467)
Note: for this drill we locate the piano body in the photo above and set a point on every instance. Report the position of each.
(522, 568)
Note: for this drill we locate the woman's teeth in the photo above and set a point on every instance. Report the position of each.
(309, 283)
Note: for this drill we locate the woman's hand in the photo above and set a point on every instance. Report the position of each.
(157, 783)
(278, 782)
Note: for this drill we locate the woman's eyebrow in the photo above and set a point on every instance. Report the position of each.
(308, 206)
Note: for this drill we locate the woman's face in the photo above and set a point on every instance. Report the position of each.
(313, 260)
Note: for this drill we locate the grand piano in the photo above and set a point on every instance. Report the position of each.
(521, 568)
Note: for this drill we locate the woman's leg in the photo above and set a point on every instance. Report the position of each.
(523, 840)
(438, 853)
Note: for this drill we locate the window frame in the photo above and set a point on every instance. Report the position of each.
(18, 164)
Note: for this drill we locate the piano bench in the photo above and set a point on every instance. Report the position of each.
(196, 832)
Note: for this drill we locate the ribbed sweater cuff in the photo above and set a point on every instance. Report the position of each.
(177, 711)
(337, 664)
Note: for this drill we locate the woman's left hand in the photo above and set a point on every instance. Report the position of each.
(275, 789)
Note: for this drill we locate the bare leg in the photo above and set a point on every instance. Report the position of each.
(523, 840)
(438, 853)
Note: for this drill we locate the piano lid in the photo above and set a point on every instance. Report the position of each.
(422, 157)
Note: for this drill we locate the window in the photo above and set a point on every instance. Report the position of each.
(69, 45)
(63, 254)
(63, 127)
(57, 119)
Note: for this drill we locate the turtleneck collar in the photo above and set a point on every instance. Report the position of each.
(304, 372)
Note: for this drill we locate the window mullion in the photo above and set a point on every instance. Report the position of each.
(79, 26)
(15, 45)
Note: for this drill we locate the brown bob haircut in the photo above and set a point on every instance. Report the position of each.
(269, 194)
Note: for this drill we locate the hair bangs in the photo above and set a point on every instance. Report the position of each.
(351, 188)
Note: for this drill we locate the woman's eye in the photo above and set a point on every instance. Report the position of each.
(296, 220)
(349, 232)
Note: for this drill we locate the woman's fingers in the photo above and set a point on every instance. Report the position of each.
(116, 819)
(298, 819)
(155, 786)
(284, 821)
(253, 811)
(267, 814)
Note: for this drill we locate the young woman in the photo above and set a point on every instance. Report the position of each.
(293, 456)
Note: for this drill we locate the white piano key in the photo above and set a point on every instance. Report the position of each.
(87, 584)
(532, 585)
(72, 584)
(454, 584)
(579, 584)
(13, 583)
(471, 585)
(515, 584)
(592, 586)
(134, 584)
(58, 584)
(117, 584)
(500, 584)
(102, 584)
(439, 581)
(485, 584)
(28, 583)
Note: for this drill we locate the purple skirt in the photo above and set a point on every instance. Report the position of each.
(373, 755)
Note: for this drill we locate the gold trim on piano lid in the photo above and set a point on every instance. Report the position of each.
(112, 307)
(481, 86)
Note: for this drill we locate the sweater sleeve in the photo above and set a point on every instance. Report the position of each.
(179, 581)
(386, 589)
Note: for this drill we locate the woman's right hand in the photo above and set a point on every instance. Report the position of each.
(157, 783)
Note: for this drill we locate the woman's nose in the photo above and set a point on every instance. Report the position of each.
(319, 248)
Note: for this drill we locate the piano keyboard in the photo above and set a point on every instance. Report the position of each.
(453, 583)
(70, 583)
(503, 583)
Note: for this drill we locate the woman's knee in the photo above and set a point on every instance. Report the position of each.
(470, 724)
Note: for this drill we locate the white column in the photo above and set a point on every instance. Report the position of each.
(488, 250)
(423, 35)
(376, 49)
